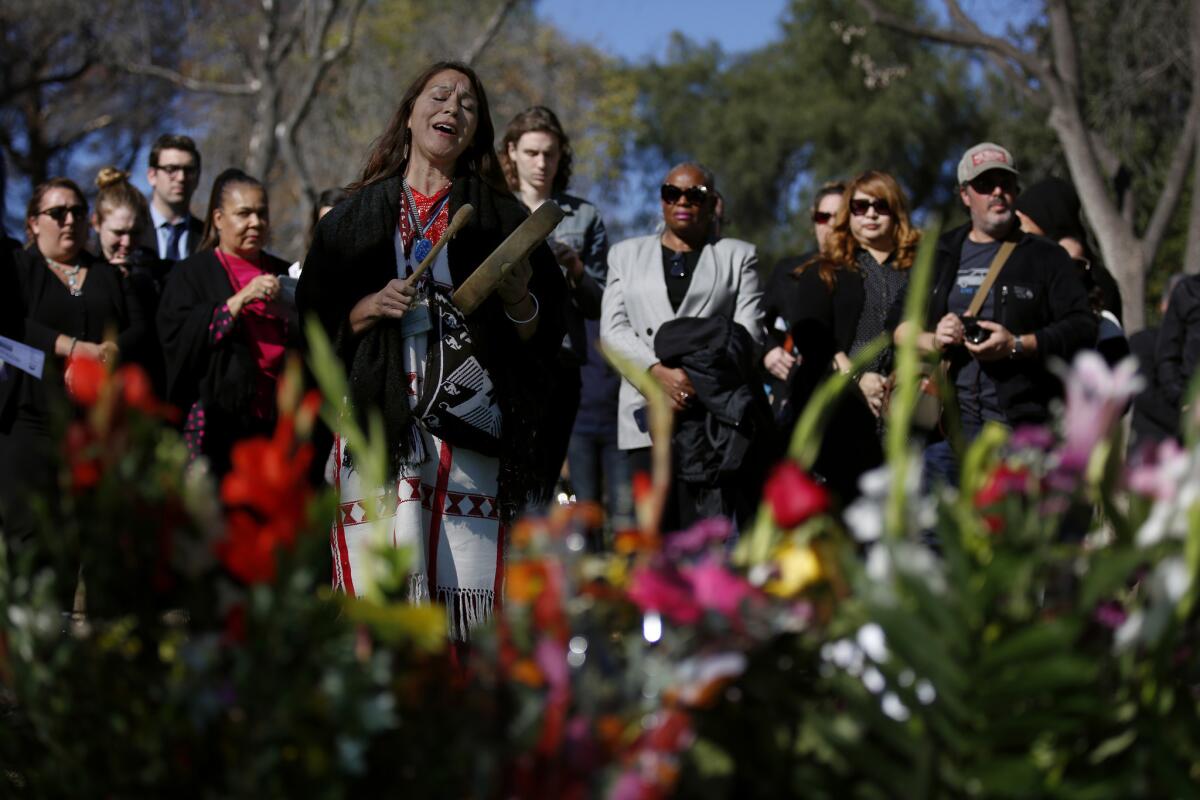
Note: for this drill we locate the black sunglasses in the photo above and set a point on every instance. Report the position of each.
(859, 207)
(678, 265)
(174, 169)
(696, 195)
(822, 217)
(988, 181)
(59, 213)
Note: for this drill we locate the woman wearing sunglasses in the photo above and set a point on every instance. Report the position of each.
(73, 304)
(863, 270)
(845, 292)
(684, 272)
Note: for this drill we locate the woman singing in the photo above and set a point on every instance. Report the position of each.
(465, 449)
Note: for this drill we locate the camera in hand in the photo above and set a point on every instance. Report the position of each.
(973, 332)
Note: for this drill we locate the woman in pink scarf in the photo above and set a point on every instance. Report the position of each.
(225, 324)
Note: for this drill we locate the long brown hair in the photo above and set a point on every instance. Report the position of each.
(842, 251)
(230, 177)
(537, 119)
(389, 155)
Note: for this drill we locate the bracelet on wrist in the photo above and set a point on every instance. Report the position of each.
(531, 317)
(517, 303)
(71, 349)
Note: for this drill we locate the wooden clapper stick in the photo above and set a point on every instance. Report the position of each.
(519, 244)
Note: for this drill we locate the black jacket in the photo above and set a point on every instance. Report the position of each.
(107, 304)
(1038, 291)
(730, 435)
(224, 376)
(1154, 418)
(1178, 348)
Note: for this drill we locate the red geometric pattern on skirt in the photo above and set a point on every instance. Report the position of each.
(458, 504)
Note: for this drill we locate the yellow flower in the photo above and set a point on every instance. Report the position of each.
(799, 567)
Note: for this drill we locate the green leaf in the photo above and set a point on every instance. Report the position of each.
(1107, 571)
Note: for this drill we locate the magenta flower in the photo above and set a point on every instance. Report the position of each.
(1096, 398)
(698, 537)
(667, 591)
(718, 589)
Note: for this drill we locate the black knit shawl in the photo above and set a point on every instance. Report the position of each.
(223, 377)
(353, 255)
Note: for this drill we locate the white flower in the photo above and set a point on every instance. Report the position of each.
(873, 642)
(1170, 580)
(894, 708)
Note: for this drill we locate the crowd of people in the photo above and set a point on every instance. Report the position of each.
(494, 412)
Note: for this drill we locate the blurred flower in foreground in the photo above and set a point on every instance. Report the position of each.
(1096, 398)
(267, 494)
(793, 496)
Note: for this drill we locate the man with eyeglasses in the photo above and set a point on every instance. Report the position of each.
(173, 174)
(1036, 309)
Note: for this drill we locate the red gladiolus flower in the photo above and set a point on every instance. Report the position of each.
(793, 496)
(83, 456)
(85, 377)
(1003, 481)
(136, 390)
(267, 491)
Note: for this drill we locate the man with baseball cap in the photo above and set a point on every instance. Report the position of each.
(1034, 308)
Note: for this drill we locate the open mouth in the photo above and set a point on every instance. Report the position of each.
(445, 128)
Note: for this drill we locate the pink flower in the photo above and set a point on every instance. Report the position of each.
(698, 537)
(1160, 471)
(667, 591)
(717, 589)
(793, 496)
(1096, 398)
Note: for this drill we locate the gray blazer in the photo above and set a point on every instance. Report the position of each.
(635, 305)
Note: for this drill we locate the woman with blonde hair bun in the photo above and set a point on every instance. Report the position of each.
(120, 215)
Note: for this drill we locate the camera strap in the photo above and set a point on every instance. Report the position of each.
(994, 268)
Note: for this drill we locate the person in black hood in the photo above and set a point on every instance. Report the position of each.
(1051, 208)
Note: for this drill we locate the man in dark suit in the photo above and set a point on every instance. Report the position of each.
(173, 174)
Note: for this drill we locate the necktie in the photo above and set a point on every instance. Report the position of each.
(175, 234)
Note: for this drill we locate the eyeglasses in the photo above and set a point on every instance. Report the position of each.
(188, 170)
(678, 266)
(822, 217)
(696, 195)
(859, 207)
(60, 213)
(988, 181)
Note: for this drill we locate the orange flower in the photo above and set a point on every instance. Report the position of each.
(526, 580)
(527, 672)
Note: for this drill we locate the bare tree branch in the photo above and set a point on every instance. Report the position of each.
(321, 65)
(489, 32)
(251, 86)
(1181, 156)
(967, 40)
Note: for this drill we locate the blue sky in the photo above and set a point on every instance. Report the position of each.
(639, 29)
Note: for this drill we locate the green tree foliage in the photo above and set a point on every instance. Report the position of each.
(830, 98)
